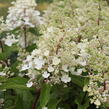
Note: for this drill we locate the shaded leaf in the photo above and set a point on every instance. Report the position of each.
(45, 94)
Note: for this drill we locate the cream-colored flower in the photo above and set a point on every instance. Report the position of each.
(97, 102)
(39, 63)
(65, 68)
(10, 40)
(46, 53)
(29, 84)
(46, 74)
(44, 108)
(36, 52)
(65, 78)
(50, 69)
(2, 100)
(50, 29)
(23, 13)
(56, 61)
(78, 72)
(85, 88)
(29, 58)
(81, 61)
(25, 67)
(2, 74)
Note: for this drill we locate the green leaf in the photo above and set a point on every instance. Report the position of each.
(8, 51)
(53, 103)
(31, 47)
(14, 83)
(10, 101)
(83, 106)
(3, 79)
(66, 106)
(82, 101)
(26, 97)
(13, 67)
(34, 31)
(18, 80)
(19, 103)
(45, 94)
(79, 80)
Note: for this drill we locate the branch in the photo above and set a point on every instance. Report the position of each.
(58, 45)
(37, 98)
(25, 36)
(5, 62)
(25, 32)
(104, 84)
(99, 17)
(1, 45)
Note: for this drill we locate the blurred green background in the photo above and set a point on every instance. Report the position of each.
(4, 4)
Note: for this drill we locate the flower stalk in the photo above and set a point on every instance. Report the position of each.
(37, 98)
(1, 44)
(25, 36)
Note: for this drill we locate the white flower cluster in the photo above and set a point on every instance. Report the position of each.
(1, 102)
(74, 41)
(23, 13)
(6, 72)
(2, 74)
(3, 26)
(10, 40)
(97, 89)
(44, 108)
(48, 66)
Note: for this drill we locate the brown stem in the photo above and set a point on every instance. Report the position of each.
(99, 9)
(1, 45)
(59, 43)
(5, 62)
(104, 85)
(25, 36)
(25, 32)
(36, 99)
(98, 21)
(79, 39)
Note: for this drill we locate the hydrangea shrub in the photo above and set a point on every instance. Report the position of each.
(56, 59)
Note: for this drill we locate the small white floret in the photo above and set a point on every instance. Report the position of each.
(44, 108)
(24, 67)
(65, 78)
(79, 71)
(2, 74)
(39, 63)
(56, 61)
(50, 69)
(29, 84)
(65, 68)
(97, 103)
(46, 53)
(46, 74)
(10, 40)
